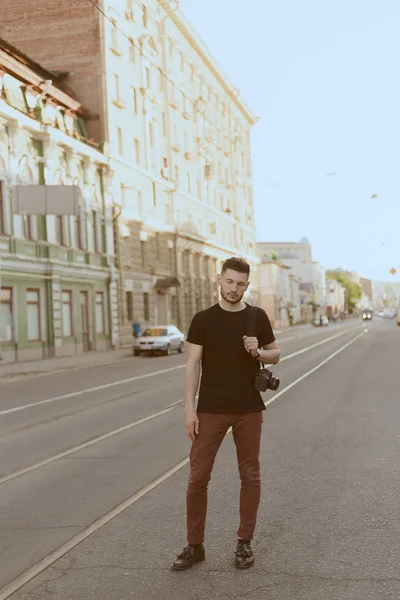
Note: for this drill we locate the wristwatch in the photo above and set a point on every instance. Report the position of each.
(258, 353)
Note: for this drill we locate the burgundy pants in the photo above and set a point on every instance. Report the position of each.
(246, 430)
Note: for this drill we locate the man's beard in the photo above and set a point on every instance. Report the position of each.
(232, 299)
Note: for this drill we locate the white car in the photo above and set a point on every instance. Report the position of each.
(161, 338)
(318, 323)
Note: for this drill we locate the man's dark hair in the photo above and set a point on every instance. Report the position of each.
(236, 264)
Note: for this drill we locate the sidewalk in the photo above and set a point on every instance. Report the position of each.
(54, 365)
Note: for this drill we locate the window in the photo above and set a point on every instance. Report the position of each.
(158, 246)
(145, 16)
(28, 232)
(176, 175)
(143, 253)
(134, 101)
(189, 184)
(171, 260)
(95, 231)
(80, 232)
(148, 79)
(129, 10)
(2, 211)
(67, 313)
(114, 40)
(137, 151)
(33, 315)
(132, 53)
(164, 124)
(6, 314)
(151, 135)
(100, 315)
(129, 306)
(154, 194)
(116, 86)
(174, 311)
(120, 141)
(60, 232)
(182, 62)
(146, 302)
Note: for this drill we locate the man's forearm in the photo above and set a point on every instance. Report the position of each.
(192, 383)
(269, 357)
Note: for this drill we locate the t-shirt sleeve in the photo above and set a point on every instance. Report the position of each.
(196, 331)
(265, 333)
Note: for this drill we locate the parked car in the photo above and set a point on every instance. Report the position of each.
(321, 321)
(398, 318)
(162, 339)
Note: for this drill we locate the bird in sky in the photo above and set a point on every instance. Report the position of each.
(373, 196)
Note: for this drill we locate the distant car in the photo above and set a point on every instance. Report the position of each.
(321, 323)
(366, 315)
(162, 339)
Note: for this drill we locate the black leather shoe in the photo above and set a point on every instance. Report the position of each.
(244, 556)
(189, 557)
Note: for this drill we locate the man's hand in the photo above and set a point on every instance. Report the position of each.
(251, 345)
(192, 425)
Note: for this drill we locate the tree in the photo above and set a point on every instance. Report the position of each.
(353, 290)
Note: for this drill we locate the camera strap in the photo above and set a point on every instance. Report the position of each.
(251, 326)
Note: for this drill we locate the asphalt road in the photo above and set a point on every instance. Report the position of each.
(93, 473)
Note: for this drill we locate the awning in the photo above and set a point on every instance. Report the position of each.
(167, 282)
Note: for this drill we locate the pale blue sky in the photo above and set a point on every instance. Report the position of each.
(324, 79)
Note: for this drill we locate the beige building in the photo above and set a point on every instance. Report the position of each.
(335, 298)
(177, 137)
(279, 293)
(298, 256)
(275, 292)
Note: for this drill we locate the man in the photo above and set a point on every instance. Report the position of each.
(218, 343)
(136, 328)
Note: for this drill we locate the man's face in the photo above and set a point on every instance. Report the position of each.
(233, 285)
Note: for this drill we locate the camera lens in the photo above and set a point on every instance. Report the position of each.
(274, 383)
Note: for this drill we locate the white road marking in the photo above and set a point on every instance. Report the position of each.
(51, 558)
(138, 377)
(32, 375)
(324, 341)
(319, 365)
(84, 445)
(90, 390)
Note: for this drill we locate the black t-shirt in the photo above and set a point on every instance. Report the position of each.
(228, 371)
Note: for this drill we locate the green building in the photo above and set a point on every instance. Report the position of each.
(59, 283)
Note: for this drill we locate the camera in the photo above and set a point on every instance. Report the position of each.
(266, 381)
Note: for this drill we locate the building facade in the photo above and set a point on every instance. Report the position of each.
(58, 277)
(177, 136)
(275, 292)
(335, 298)
(367, 299)
(308, 272)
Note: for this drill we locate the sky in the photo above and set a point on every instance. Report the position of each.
(324, 79)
